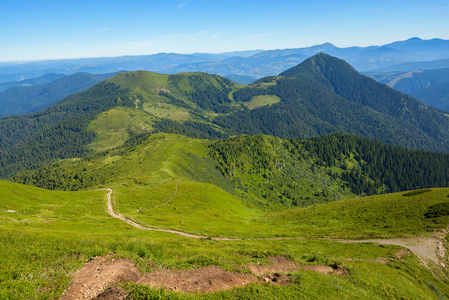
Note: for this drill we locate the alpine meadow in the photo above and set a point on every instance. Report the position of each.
(319, 172)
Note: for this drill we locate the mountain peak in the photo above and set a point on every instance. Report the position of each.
(319, 65)
(414, 39)
(328, 45)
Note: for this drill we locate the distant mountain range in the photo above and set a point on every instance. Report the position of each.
(361, 58)
(26, 99)
(16, 71)
(413, 66)
(257, 63)
(30, 82)
(429, 86)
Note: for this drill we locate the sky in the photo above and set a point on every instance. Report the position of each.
(56, 29)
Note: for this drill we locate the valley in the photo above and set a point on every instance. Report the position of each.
(317, 183)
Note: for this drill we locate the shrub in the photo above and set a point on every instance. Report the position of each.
(417, 192)
(437, 210)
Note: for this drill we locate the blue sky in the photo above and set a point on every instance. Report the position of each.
(54, 29)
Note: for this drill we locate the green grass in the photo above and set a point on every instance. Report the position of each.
(33, 208)
(140, 81)
(168, 111)
(375, 216)
(205, 209)
(39, 265)
(51, 234)
(263, 100)
(382, 216)
(112, 127)
(197, 207)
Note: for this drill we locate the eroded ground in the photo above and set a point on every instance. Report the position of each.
(99, 278)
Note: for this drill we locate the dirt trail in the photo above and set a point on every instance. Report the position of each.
(430, 248)
(171, 197)
(427, 249)
(132, 223)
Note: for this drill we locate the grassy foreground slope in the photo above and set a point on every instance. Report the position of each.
(242, 186)
(46, 236)
(398, 214)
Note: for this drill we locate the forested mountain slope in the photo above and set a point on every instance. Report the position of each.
(324, 94)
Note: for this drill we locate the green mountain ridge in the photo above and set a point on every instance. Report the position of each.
(26, 140)
(234, 186)
(269, 172)
(320, 96)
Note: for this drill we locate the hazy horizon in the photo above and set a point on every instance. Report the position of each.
(53, 30)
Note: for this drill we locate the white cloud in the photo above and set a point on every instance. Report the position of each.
(181, 5)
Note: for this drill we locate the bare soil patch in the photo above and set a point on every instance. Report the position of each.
(277, 265)
(326, 270)
(401, 253)
(97, 275)
(98, 279)
(204, 280)
(114, 293)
